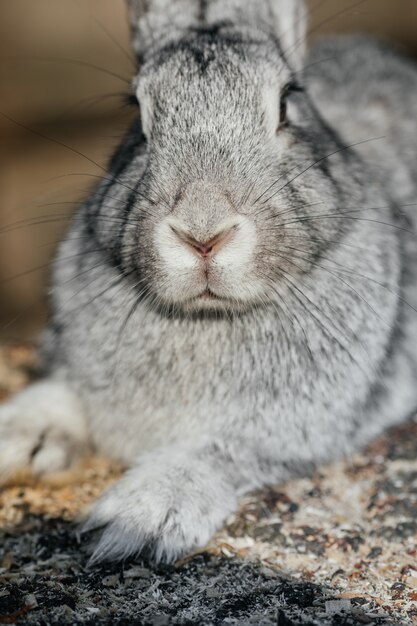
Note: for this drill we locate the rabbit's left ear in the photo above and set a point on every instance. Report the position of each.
(153, 21)
(291, 20)
(285, 19)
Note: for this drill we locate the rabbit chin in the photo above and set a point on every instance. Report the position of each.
(214, 299)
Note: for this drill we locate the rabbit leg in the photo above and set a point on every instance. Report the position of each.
(42, 429)
(170, 503)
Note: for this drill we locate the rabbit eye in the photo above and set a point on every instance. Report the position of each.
(290, 88)
(283, 107)
(132, 100)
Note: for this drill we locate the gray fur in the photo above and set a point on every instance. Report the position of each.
(157, 22)
(309, 349)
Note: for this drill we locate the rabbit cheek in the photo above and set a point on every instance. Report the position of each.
(182, 276)
(228, 273)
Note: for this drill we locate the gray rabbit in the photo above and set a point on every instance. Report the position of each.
(236, 302)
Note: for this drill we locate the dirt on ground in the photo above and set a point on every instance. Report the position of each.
(337, 548)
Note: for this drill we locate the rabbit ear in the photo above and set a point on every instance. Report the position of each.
(286, 19)
(158, 21)
(154, 21)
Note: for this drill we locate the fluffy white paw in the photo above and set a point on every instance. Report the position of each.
(162, 508)
(41, 430)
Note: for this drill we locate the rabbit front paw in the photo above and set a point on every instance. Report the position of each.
(162, 509)
(42, 431)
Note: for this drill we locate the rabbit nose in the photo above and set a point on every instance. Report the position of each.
(206, 249)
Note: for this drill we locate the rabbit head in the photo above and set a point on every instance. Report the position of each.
(214, 174)
(154, 22)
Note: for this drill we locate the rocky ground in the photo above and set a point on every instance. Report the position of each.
(339, 548)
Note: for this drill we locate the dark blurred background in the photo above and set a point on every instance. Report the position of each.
(65, 71)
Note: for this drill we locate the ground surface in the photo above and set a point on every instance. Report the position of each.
(339, 548)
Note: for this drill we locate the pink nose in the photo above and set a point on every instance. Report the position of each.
(209, 248)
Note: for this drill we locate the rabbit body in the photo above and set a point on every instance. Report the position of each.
(296, 345)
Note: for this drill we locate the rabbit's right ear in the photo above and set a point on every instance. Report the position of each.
(154, 21)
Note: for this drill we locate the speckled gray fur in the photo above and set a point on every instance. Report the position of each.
(305, 346)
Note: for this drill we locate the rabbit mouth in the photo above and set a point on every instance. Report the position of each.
(208, 298)
(207, 294)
